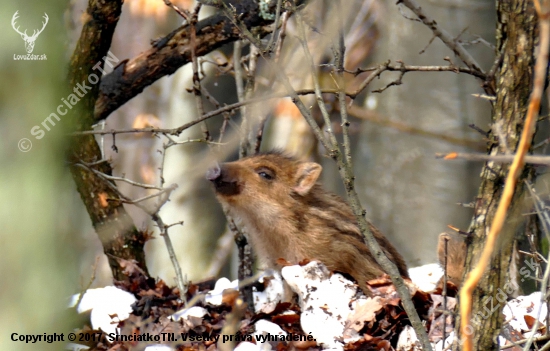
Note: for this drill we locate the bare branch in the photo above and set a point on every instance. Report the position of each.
(401, 67)
(173, 51)
(536, 160)
(442, 34)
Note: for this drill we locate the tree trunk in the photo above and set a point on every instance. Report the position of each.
(114, 226)
(516, 38)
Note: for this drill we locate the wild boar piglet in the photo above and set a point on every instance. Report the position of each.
(287, 214)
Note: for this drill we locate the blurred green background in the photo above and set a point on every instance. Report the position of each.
(39, 211)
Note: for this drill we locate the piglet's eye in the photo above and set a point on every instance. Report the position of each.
(266, 174)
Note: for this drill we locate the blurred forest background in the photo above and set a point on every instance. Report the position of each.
(406, 191)
(48, 245)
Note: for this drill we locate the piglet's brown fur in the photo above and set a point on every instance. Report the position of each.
(288, 215)
(456, 256)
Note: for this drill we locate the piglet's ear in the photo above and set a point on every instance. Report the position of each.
(306, 177)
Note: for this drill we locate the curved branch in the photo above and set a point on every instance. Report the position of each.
(168, 54)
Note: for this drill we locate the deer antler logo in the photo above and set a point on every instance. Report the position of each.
(29, 40)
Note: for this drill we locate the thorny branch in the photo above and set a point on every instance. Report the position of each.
(177, 131)
(339, 54)
(181, 280)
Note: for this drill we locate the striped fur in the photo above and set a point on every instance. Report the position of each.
(288, 215)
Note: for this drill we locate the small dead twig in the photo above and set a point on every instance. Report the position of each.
(442, 34)
(228, 108)
(192, 19)
(536, 160)
(403, 68)
(444, 292)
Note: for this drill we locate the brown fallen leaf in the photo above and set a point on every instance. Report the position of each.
(366, 312)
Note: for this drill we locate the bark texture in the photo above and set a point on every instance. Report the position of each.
(114, 226)
(173, 51)
(516, 39)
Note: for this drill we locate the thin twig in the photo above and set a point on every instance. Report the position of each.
(530, 159)
(239, 83)
(317, 88)
(275, 24)
(282, 36)
(181, 280)
(126, 180)
(194, 64)
(226, 115)
(444, 292)
(402, 68)
(442, 34)
(523, 341)
(177, 131)
(192, 20)
(340, 54)
(409, 68)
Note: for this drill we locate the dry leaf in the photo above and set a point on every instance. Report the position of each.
(366, 312)
(530, 321)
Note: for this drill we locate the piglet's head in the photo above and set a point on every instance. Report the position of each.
(270, 178)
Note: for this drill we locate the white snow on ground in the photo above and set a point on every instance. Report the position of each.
(427, 276)
(104, 302)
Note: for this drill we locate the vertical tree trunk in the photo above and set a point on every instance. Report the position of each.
(516, 38)
(115, 228)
